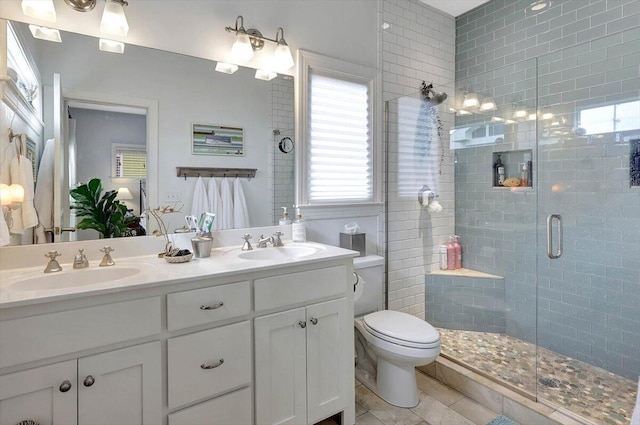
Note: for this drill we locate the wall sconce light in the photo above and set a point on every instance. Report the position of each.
(488, 105)
(470, 101)
(81, 5)
(251, 40)
(111, 46)
(44, 33)
(41, 9)
(227, 68)
(11, 196)
(114, 20)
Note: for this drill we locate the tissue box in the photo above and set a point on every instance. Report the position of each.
(355, 242)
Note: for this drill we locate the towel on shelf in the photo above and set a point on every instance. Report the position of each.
(25, 216)
(200, 202)
(227, 205)
(215, 203)
(43, 198)
(240, 211)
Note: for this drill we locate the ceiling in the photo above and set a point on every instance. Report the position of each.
(454, 7)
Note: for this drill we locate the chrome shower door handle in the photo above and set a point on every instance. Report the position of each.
(558, 253)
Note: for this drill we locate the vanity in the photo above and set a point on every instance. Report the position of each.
(241, 337)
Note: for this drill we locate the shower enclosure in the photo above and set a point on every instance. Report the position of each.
(548, 300)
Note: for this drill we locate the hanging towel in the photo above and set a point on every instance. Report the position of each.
(240, 211)
(200, 203)
(5, 237)
(43, 199)
(215, 203)
(25, 216)
(227, 205)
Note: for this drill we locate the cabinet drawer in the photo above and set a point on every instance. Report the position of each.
(292, 288)
(229, 409)
(190, 308)
(207, 363)
(48, 335)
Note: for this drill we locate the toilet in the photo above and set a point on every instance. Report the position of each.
(388, 344)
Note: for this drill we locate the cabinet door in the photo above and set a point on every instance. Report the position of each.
(121, 387)
(329, 342)
(45, 395)
(280, 361)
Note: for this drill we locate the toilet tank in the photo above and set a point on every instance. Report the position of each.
(371, 274)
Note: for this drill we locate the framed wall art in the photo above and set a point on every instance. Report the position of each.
(217, 140)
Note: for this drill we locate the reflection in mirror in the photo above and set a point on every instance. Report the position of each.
(119, 108)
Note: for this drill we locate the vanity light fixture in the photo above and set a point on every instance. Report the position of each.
(114, 21)
(81, 5)
(111, 46)
(540, 5)
(41, 9)
(227, 68)
(124, 194)
(44, 33)
(488, 105)
(265, 74)
(251, 40)
(470, 101)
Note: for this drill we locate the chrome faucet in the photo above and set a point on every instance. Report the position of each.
(246, 246)
(275, 239)
(52, 265)
(80, 262)
(107, 260)
(262, 242)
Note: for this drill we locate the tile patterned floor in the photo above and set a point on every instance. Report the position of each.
(439, 405)
(588, 391)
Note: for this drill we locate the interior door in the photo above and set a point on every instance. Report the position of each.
(60, 170)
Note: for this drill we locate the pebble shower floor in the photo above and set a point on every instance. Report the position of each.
(588, 391)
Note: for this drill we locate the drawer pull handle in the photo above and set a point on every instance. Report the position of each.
(302, 324)
(212, 366)
(88, 381)
(65, 386)
(212, 307)
(314, 321)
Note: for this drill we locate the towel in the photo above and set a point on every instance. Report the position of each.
(215, 203)
(227, 205)
(240, 211)
(25, 216)
(43, 199)
(200, 203)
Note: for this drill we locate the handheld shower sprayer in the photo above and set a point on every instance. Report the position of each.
(430, 95)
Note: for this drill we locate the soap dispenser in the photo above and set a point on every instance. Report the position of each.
(285, 217)
(299, 228)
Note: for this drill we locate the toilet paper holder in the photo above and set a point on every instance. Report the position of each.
(431, 195)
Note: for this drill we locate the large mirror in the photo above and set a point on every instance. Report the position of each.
(118, 108)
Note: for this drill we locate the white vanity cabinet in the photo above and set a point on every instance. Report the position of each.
(304, 355)
(118, 387)
(257, 344)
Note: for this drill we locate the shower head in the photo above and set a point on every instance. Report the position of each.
(430, 95)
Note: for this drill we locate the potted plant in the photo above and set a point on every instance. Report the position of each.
(101, 212)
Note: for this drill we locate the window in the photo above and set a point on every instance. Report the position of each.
(129, 161)
(611, 118)
(339, 129)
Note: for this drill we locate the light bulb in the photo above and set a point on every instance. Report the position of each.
(282, 59)
(114, 20)
(241, 48)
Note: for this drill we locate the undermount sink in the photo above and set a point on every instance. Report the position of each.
(287, 252)
(73, 278)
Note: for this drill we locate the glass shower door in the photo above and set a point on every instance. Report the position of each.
(589, 230)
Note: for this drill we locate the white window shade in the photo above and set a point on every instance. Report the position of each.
(340, 144)
(130, 163)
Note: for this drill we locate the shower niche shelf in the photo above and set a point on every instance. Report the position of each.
(518, 168)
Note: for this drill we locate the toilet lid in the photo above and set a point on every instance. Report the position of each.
(403, 328)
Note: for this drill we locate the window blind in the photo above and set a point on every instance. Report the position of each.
(340, 147)
(131, 163)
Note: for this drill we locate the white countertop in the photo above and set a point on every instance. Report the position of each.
(153, 271)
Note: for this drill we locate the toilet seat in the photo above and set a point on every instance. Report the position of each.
(402, 329)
